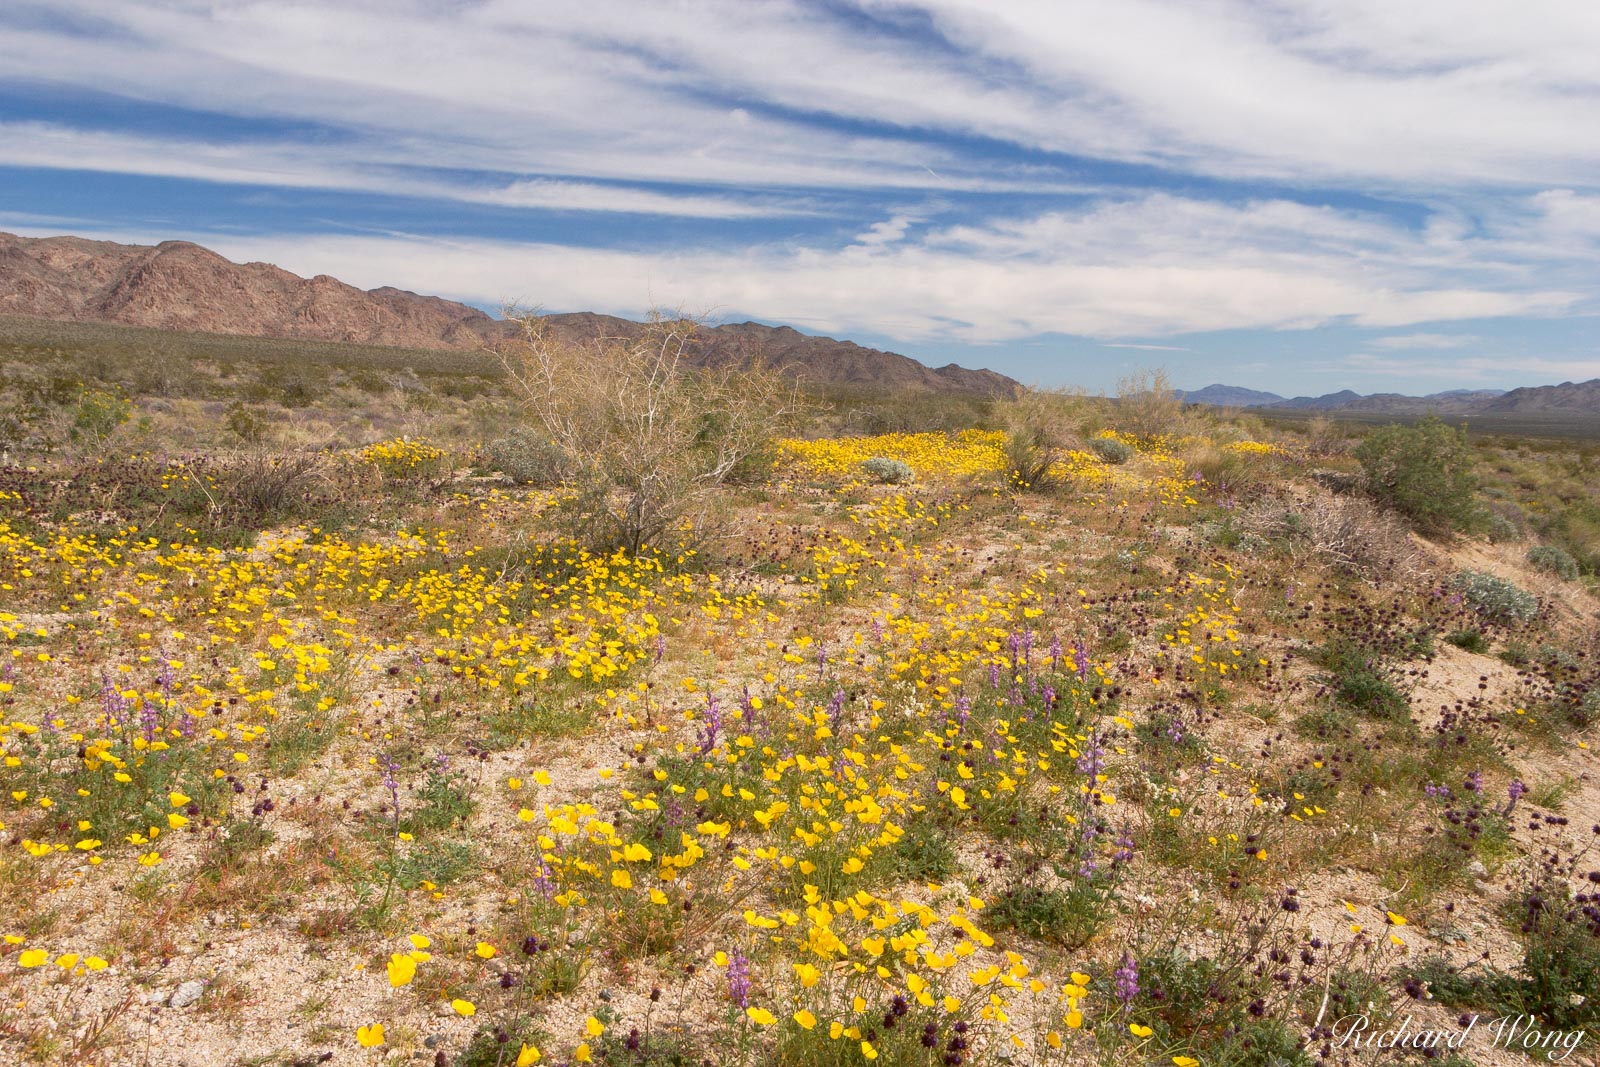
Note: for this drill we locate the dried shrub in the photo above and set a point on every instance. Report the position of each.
(1348, 532)
(649, 437)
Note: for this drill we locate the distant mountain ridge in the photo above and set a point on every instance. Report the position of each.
(1229, 396)
(1568, 398)
(177, 285)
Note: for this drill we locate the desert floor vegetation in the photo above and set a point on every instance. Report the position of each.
(1041, 734)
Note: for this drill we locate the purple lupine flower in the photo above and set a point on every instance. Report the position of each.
(390, 769)
(1475, 782)
(1436, 792)
(112, 703)
(963, 710)
(877, 629)
(1090, 837)
(822, 659)
(661, 649)
(1127, 979)
(994, 676)
(1080, 655)
(1092, 758)
(1055, 650)
(747, 706)
(149, 720)
(1516, 791)
(708, 737)
(1175, 731)
(836, 705)
(1124, 852)
(166, 679)
(739, 979)
(186, 726)
(1018, 656)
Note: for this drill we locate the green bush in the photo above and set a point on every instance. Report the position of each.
(1468, 641)
(98, 415)
(1359, 681)
(1553, 560)
(1559, 977)
(526, 460)
(1495, 598)
(1424, 472)
(889, 471)
(1029, 454)
(1112, 450)
(1502, 528)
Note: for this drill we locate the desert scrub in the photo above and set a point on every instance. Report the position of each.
(650, 439)
(1552, 559)
(1558, 979)
(1501, 528)
(1494, 598)
(1468, 641)
(888, 471)
(1029, 457)
(98, 415)
(1358, 680)
(527, 460)
(1424, 472)
(1112, 450)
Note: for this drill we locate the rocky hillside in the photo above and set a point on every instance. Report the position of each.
(177, 285)
(1566, 398)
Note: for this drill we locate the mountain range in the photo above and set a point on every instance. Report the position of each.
(1568, 398)
(177, 285)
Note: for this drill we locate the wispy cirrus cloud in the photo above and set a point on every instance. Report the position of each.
(1140, 268)
(1423, 340)
(961, 171)
(1458, 92)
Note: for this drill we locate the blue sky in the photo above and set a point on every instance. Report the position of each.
(1293, 195)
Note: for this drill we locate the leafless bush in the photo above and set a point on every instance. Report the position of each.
(1324, 437)
(1148, 405)
(1039, 423)
(648, 437)
(1348, 532)
(264, 484)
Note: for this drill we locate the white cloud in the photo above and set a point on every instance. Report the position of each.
(48, 145)
(1423, 340)
(1461, 92)
(1151, 267)
(1470, 370)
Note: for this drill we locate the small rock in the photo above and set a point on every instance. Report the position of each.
(431, 1041)
(1478, 870)
(187, 993)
